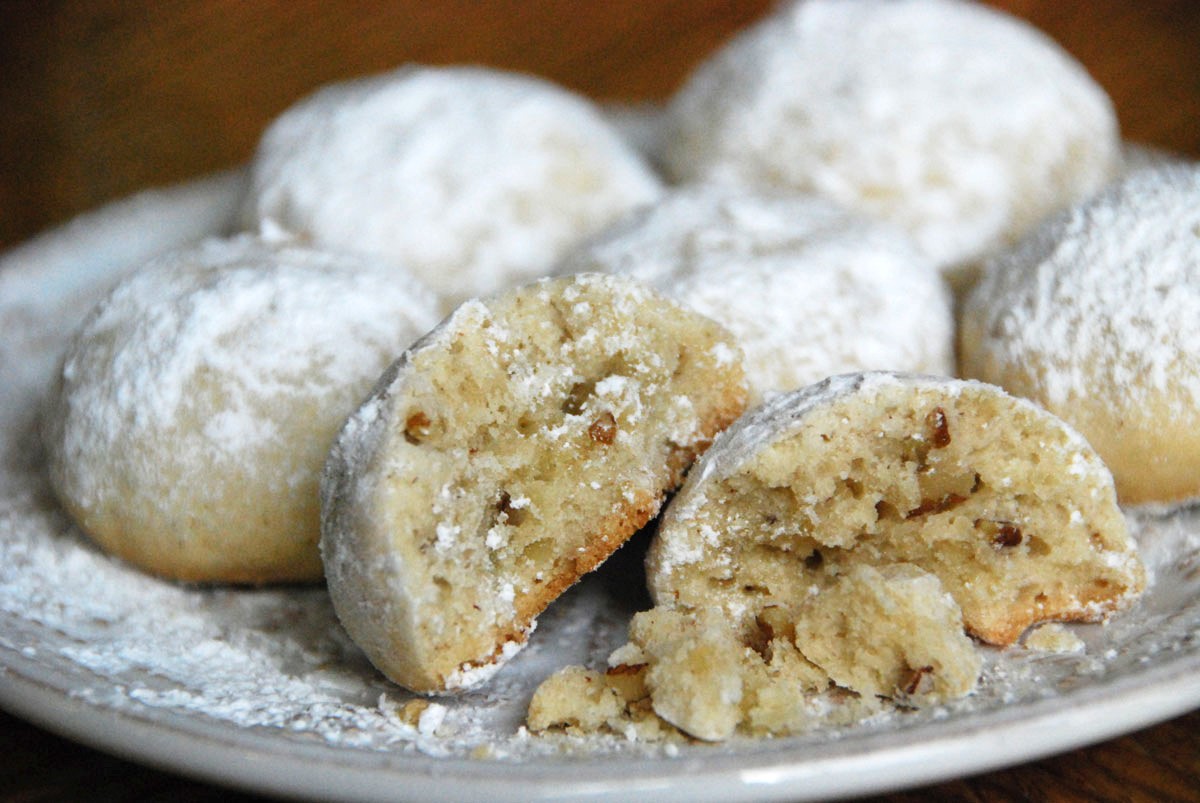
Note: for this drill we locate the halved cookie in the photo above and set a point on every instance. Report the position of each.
(1007, 505)
(504, 455)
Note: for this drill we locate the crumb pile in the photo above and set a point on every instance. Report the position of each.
(874, 634)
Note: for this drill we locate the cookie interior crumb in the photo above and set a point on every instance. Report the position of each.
(1053, 637)
(1009, 508)
(690, 674)
(876, 633)
(889, 631)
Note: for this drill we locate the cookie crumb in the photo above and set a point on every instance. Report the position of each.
(1053, 637)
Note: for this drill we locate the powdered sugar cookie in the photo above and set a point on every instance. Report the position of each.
(472, 179)
(509, 452)
(1097, 318)
(197, 402)
(809, 289)
(1008, 507)
(961, 125)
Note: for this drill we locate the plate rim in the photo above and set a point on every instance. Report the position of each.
(210, 750)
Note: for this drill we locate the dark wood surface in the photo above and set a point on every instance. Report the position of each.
(99, 98)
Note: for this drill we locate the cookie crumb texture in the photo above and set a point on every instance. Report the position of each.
(835, 658)
(1054, 638)
(1008, 507)
(505, 455)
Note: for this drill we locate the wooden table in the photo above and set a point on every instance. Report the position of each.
(99, 98)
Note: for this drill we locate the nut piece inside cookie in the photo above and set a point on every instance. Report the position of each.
(1007, 506)
(509, 452)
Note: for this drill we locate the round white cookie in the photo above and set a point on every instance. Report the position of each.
(809, 289)
(472, 179)
(1007, 505)
(1097, 318)
(198, 400)
(959, 124)
(506, 454)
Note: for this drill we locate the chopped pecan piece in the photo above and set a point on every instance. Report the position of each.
(603, 429)
(416, 427)
(935, 505)
(1004, 534)
(577, 398)
(919, 681)
(939, 429)
(506, 513)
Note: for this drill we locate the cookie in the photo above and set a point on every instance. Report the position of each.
(809, 289)
(1096, 317)
(197, 402)
(506, 454)
(472, 179)
(1005, 504)
(959, 124)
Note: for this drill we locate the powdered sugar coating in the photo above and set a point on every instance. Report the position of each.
(471, 178)
(959, 124)
(1097, 317)
(1135, 156)
(809, 289)
(197, 401)
(640, 125)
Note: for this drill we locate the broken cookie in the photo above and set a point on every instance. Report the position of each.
(506, 454)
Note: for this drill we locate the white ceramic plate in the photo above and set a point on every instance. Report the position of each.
(260, 689)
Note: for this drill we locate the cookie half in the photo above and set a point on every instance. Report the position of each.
(1007, 505)
(506, 454)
